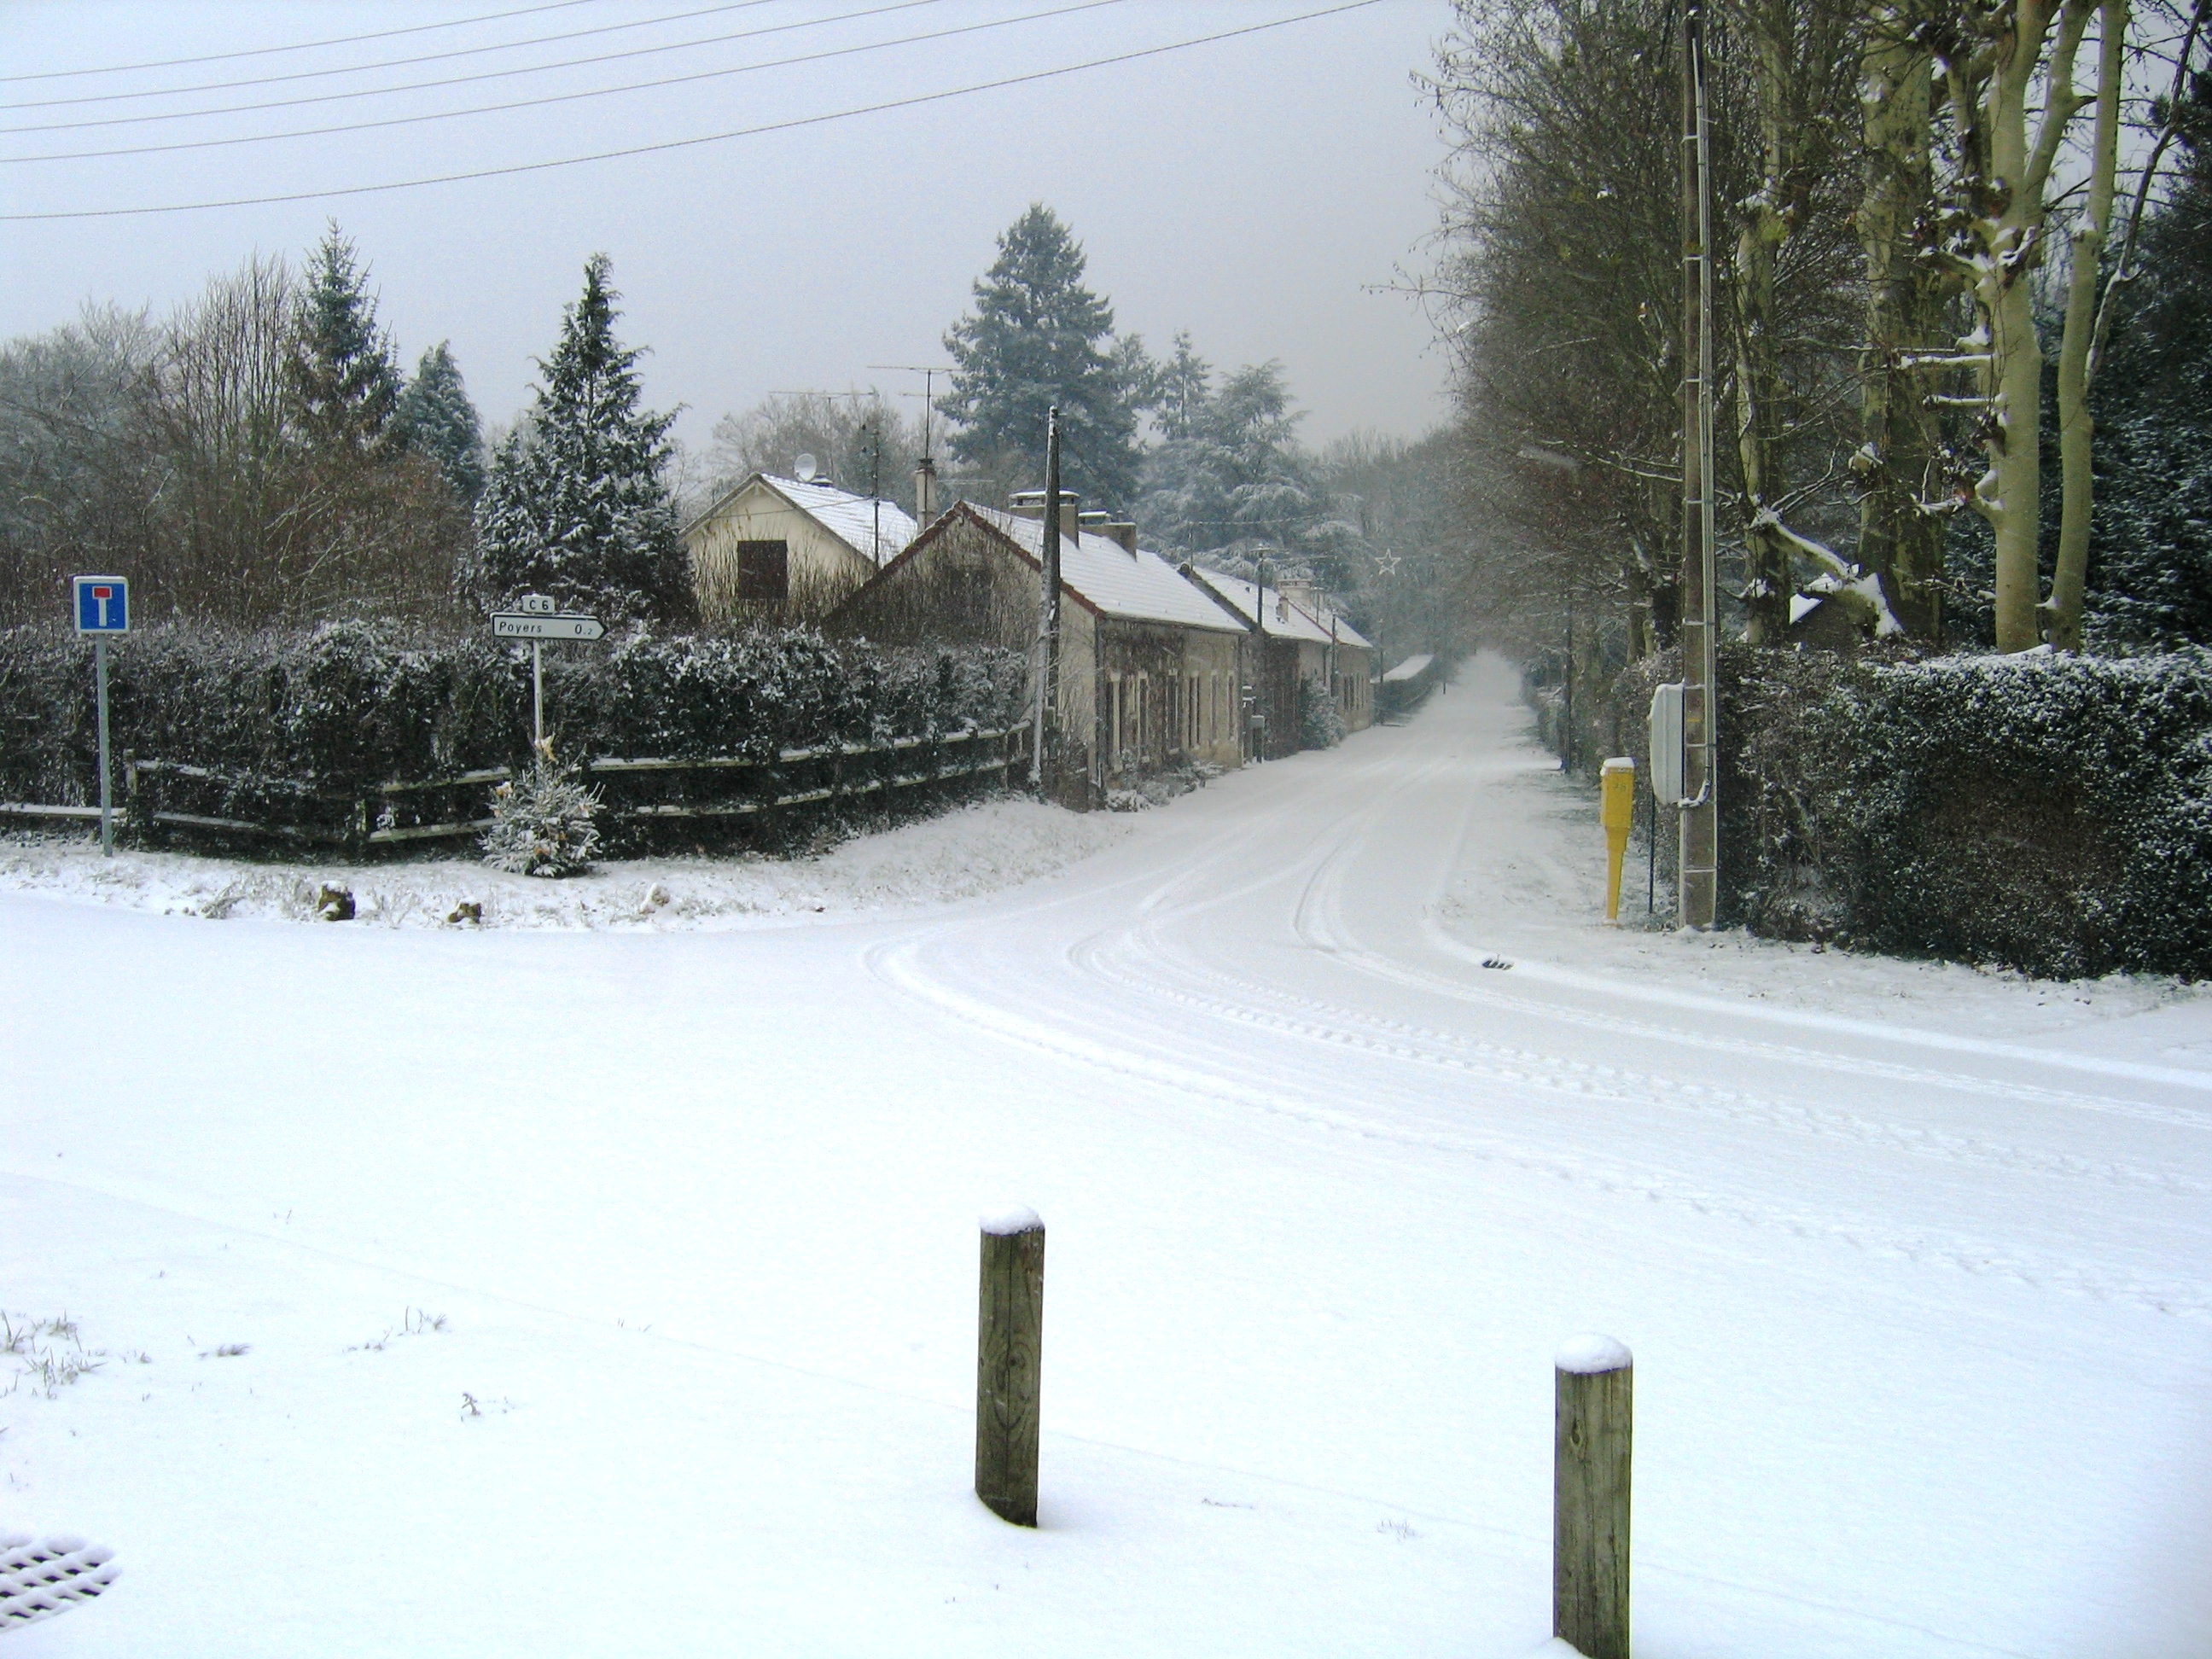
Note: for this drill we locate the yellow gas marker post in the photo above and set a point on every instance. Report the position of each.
(1616, 810)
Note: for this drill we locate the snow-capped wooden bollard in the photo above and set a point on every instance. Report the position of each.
(1009, 1356)
(1592, 1432)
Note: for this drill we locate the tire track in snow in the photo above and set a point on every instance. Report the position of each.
(900, 965)
(1123, 962)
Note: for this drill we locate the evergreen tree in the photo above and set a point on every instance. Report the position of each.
(2150, 572)
(435, 418)
(343, 382)
(1185, 384)
(1232, 475)
(576, 505)
(1039, 337)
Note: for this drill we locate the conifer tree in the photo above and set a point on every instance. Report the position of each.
(1039, 337)
(435, 418)
(576, 506)
(340, 374)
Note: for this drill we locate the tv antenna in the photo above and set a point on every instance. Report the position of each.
(929, 372)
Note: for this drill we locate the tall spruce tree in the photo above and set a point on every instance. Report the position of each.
(1038, 337)
(435, 418)
(343, 382)
(1230, 475)
(576, 505)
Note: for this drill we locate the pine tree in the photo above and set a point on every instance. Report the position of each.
(1039, 337)
(342, 383)
(1185, 385)
(2150, 573)
(1230, 474)
(435, 418)
(576, 505)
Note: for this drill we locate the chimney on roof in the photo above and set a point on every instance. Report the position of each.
(925, 491)
(1125, 532)
(1029, 504)
(1302, 592)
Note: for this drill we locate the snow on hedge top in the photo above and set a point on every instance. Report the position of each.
(1590, 1353)
(1114, 580)
(1286, 617)
(1014, 1218)
(853, 518)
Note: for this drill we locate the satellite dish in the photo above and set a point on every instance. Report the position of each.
(806, 466)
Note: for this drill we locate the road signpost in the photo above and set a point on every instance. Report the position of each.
(103, 608)
(538, 619)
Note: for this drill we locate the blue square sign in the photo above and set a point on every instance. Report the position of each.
(103, 605)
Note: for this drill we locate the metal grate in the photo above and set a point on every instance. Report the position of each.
(41, 1577)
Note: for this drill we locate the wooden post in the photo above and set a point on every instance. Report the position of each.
(1009, 1356)
(1592, 1433)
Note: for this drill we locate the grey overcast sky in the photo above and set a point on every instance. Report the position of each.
(1257, 190)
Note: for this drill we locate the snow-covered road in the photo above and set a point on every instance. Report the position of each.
(1342, 1111)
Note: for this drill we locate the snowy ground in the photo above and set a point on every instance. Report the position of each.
(1913, 1259)
(977, 849)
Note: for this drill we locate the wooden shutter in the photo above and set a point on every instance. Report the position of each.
(763, 572)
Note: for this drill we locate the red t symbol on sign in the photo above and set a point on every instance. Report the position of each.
(103, 594)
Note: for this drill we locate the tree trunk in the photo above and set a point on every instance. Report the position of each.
(1766, 225)
(2076, 428)
(1899, 541)
(2009, 167)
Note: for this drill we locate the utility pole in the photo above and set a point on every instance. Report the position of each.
(1048, 646)
(1699, 847)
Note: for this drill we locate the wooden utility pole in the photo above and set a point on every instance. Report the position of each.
(1009, 1362)
(1047, 645)
(1698, 862)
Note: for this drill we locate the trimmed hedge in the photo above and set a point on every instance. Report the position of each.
(2049, 813)
(350, 706)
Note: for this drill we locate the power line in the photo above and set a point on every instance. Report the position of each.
(918, 98)
(389, 63)
(467, 80)
(572, 97)
(304, 45)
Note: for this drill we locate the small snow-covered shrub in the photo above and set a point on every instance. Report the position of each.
(1321, 723)
(542, 823)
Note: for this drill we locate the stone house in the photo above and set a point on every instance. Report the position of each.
(1291, 635)
(788, 549)
(1149, 674)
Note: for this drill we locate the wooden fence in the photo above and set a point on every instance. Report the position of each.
(163, 798)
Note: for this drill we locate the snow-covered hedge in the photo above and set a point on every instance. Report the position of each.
(349, 706)
(2050, 813)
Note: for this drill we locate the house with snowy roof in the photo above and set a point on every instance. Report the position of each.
(1149, 667)
(1292, 635)
(788, 549)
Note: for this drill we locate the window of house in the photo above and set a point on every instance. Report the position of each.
(763, 572)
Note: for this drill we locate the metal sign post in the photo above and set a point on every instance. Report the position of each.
(103, 607)
(537, 620)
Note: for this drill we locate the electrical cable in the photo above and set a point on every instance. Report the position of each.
(483, 74)
(794, 125)
(572, 97)
(391, 63)
(304, 45)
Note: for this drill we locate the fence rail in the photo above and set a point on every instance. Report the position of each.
(166, 795)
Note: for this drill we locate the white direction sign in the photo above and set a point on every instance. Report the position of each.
(560, 625)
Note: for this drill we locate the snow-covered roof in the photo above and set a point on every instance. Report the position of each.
(1412, 669)
(853, 520)
(1286, 618)
(1141, 586)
